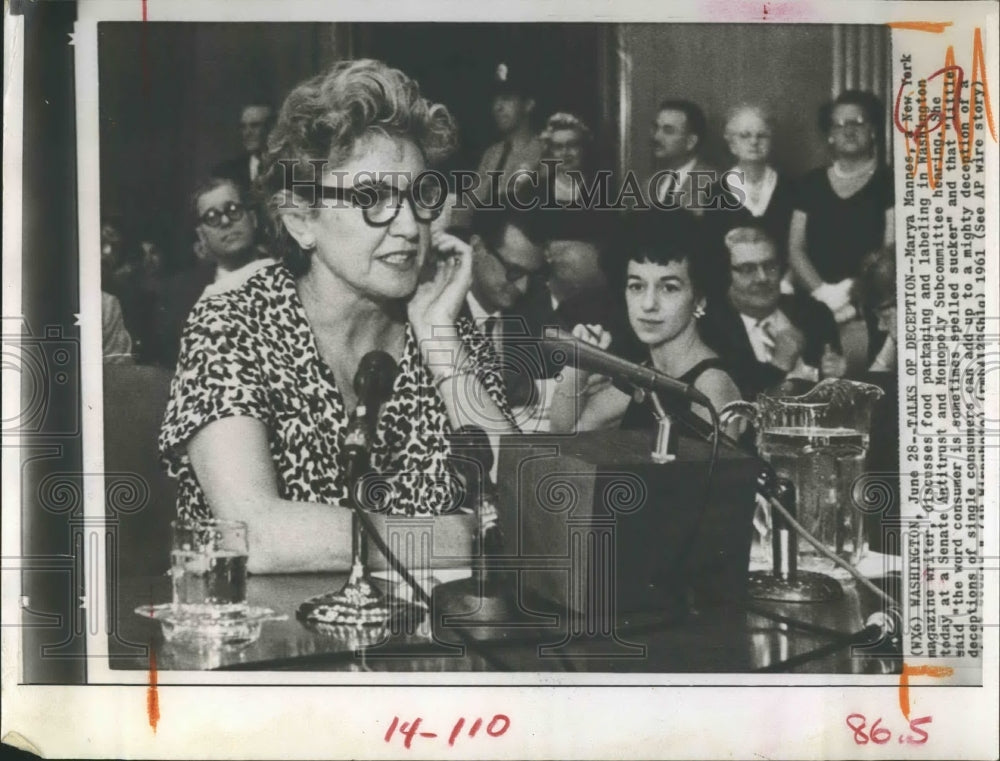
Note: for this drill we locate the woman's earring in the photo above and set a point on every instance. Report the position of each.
(699, 311)
(309, 245)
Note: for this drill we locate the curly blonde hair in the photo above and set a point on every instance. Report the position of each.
(563, 120)
(324, 117)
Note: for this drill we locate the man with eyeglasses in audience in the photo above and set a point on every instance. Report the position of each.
(771, 336)
(506, 259)
(225, 230)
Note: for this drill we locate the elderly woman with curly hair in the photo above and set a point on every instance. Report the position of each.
(567, 142)
(264, 390)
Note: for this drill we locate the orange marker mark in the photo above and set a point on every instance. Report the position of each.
(934, 27)
(152, 697)
(904, 682)
(918, 138)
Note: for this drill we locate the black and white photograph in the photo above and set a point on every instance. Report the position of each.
(443, 365)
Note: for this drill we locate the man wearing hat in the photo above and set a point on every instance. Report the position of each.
(519, 147)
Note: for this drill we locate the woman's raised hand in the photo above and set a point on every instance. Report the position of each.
(599, 337)
(439, 298)
(593, 334)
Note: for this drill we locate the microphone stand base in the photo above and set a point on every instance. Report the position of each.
(806, 586)
(358, 603)
(481, 611)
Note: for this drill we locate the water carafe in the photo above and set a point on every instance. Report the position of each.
(819, 441)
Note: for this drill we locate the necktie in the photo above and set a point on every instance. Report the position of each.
(668, 187)
(489, 329)
(504, 155)
(766, 338)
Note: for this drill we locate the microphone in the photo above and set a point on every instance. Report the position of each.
(472, 456)
(373, 382)
(599, 361)
(472, 441)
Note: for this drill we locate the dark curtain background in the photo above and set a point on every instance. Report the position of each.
(456, 63)
(170, 101)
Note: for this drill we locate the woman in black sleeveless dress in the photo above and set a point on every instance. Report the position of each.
(667, 272)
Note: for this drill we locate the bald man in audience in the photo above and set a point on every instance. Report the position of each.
(256, 120)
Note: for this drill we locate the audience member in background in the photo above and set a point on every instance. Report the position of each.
(115, 270)
(768, 336)
(767, 196)
(519, 148)
(144, 285)
(225, 229)
(116, 341)
(568, 141)
(574, 258)
(843, 211)
(506, 257)
(256, 120)
(668, 279)
(677, 135)
(875, 294)
(151, 259)
(121, 277)
(579, 245)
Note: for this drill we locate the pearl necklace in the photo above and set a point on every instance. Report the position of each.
(868, 168)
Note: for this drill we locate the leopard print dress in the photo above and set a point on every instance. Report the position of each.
(251, 353)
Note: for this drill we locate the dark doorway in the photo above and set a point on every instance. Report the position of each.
(455, 65)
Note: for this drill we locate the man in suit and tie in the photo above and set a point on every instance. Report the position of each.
(769, 336)
(506, 257)
(682, 179)
(256, 120)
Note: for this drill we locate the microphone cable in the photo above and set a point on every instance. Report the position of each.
(878, 626)
(397, 565)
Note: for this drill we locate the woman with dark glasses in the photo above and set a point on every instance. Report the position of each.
(265, 383)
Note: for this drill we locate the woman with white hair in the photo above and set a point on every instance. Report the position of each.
(766, 196)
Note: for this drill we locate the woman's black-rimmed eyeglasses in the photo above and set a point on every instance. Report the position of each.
(380, 204)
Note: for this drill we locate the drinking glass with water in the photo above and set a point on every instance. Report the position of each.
(208, 567)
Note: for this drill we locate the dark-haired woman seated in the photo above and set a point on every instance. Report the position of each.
(264, 386)
(667, 279)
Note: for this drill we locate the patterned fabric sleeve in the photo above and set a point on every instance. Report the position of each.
(218, 376)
